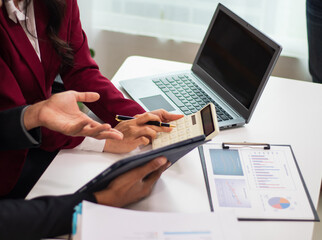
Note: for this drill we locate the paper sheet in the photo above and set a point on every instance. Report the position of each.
(257, 183)
(102, 222)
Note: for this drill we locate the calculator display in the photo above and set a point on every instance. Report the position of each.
(207, 120)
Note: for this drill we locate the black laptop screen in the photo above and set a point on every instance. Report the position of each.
(235, 58)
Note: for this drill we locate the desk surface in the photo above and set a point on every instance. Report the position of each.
(289, 112)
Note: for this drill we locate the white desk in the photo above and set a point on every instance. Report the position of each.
(289, 112)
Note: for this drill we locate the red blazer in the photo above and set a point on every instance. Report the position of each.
(26, 80)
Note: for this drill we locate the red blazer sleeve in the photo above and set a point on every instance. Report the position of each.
(85, 75)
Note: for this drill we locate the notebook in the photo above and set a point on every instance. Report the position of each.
(230, 70)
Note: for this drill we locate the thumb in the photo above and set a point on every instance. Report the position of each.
(151, 166)
(86, 96)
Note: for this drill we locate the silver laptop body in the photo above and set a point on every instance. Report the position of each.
(231, 70)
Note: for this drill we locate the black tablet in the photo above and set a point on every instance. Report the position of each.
(172, 152)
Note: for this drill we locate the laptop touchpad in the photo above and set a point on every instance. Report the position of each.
(156, 102)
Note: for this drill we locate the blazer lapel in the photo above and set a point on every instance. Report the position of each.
(24, 47)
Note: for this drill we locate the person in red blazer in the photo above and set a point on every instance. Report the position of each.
(25, 79)
(51, 216)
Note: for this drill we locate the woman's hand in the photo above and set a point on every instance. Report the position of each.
(166, 116)
(61, 113)
(133, 185)
(136, 132)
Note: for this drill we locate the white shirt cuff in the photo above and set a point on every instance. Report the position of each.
(91, 144)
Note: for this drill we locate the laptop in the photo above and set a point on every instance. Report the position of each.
(230, 70)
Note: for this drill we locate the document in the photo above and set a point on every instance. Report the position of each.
(257, 183)
(102, 222)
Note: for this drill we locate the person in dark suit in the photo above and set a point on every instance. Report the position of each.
(51, 216)
(32, 54)
(314, 36)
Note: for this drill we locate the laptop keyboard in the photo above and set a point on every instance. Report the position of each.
(187, 95)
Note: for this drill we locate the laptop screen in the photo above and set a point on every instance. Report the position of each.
(235, 58)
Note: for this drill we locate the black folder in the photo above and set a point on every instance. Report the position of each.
(172, 152)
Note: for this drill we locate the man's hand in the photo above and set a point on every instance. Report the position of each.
(61, 113)
(133, 185)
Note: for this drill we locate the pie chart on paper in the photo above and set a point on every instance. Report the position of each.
(279, 203)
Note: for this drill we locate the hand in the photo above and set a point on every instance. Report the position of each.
(133, 185)
(61, 113)
(165, 116)
(136, 132)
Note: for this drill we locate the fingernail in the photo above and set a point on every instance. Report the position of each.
(162, 161)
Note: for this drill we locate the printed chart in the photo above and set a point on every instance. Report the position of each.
(269, 170)
(226, 162)
(232, 193)
(257, 183)
(279, 203)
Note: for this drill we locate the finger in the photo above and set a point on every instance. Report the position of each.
(109, 135)
(75, 129)
(145, 131)
(159, 129)
(91, 122)
(92, 131)
(142, 141)
(96, 132)
(151, 166)
(102, 131)
(86, 96)
(148, 131)
(88, 127)
(150, 179)
(142, 119)
(166, 116)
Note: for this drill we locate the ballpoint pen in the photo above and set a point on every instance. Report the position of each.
(121, 118)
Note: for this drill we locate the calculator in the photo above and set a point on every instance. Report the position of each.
(203, 122)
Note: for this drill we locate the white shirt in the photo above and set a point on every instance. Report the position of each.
(28, 24)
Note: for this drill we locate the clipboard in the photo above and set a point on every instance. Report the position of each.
(260, 181)
(172, 152)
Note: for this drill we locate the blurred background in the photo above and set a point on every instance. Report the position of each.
(174, 29)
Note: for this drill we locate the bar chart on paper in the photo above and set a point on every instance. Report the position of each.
(269, 169)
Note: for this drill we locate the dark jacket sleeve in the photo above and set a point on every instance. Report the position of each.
(40, 217)
(12, 132)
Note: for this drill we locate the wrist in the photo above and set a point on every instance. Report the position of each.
(104, 197)
(30, 118)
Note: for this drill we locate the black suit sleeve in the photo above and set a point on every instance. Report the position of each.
(40, 217)
(13, 135)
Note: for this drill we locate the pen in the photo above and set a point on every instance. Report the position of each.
(121, 118)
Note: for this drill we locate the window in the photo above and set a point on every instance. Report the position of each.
(187, 20)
